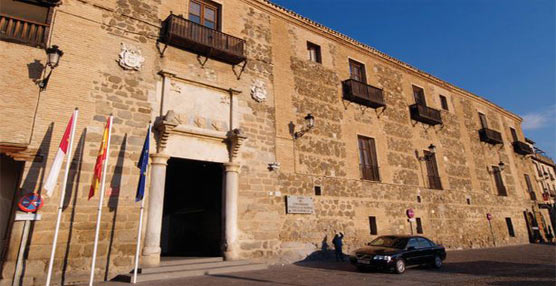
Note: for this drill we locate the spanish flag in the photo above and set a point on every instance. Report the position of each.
(100, 160)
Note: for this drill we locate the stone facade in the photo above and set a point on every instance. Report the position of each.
(196, 105)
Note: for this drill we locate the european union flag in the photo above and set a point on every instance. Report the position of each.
(143, 163)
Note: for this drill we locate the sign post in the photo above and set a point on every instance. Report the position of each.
(410, 214)
(489, 218)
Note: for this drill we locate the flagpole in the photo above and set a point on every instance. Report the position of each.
(140, 227)
(100, 202)
(62, 196)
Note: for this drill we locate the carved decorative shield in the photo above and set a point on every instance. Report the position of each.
(130, 57)
(258, 91)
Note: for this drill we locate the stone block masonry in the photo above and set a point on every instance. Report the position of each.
(210, 98)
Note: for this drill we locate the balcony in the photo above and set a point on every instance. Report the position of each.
(22, 31)
(490, 136)
(187, 35)
(522, 148)
(425, 114)
(363, 93)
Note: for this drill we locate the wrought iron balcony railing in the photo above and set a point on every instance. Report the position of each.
(522, 148)
(363, 93)
(184, 34)
(490, 136)
(22, 31)
(425, 114)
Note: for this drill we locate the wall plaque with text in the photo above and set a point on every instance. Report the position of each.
(299, 205)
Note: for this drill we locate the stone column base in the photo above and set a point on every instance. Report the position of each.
(150, 257)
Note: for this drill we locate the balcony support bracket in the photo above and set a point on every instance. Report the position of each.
(243, 65)
(161, 51)
(381, 111)
(201, 61)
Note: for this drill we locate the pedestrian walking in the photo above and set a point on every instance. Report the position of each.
(337, 241)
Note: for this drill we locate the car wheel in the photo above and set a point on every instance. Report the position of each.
(437, 263)
(361, 268)
(399, 268)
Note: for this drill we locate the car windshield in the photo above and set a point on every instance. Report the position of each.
(389, 241)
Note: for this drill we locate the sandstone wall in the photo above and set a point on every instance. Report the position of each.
(91, 32)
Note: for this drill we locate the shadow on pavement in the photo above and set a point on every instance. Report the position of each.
(500, 269)
(522, 283)
(252, 279)
(476, 268)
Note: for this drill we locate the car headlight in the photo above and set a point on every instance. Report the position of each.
(383, 257)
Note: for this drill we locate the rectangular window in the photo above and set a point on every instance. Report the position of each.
(419, 95)
(432, 171)
(368, 162)
(510, 227)
(499, 182)
(514, 134)
(538, 170)
(25, 22)
(444, 102)
(318, 191)
(419, 226)
(372, 225)
(357, 71)
(483, 119)
(204, 13)
(528, 182)
(314, 52)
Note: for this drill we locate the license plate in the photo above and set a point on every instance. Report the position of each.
(363, 261)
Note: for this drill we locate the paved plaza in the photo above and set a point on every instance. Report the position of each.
(527, 265)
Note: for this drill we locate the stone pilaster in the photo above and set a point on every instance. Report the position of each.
(151, 249)
(230, 210)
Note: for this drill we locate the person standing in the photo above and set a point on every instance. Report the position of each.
(337, 241)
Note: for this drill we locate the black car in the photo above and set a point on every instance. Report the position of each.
(398, 251)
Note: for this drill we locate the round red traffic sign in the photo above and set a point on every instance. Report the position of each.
(489, 216)
(410, 213)
(30, 203)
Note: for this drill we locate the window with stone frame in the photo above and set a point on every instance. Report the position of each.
(510, 226)
(499, 182)
(538, 169)
(313, 51)
(368, 162)
(443, 102)
(419, 225)
(432, 171)
(372, 225)
(206, 13)
(530, 187)
(483, 119)
(419, 96)
(514, 134)
(357, 71)
(25, 22)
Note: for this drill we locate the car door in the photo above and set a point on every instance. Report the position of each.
(412, 252)
(426, 250)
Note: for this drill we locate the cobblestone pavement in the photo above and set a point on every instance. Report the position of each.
(527, 265)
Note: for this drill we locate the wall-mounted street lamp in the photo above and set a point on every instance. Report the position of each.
(53, 59)
(426, 156)
(309, 124)
(501, 166)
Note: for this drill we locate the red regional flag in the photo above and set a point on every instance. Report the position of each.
(100, 161)
(58, 160)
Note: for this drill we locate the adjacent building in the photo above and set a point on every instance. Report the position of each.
(271, 132)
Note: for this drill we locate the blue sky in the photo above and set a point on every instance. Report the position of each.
(502, 50)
